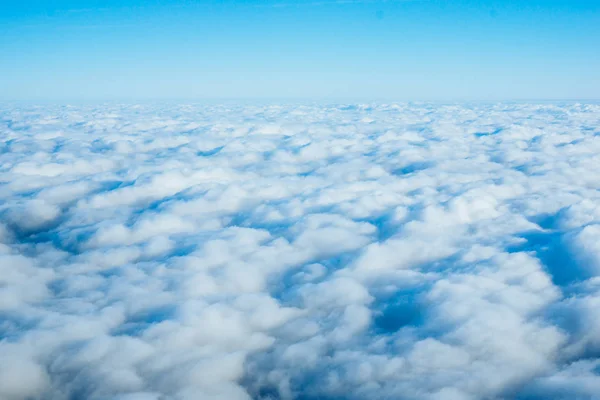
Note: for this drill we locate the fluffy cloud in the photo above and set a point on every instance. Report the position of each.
(300, 252)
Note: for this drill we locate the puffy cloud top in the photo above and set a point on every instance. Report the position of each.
(379, 251)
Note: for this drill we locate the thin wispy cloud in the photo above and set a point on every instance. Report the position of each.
(328, 3)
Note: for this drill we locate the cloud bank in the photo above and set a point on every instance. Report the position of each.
(377, 251)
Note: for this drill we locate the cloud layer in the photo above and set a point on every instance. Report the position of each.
(380, 251)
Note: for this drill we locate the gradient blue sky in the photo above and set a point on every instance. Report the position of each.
(377, 49)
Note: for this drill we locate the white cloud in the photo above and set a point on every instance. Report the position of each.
(299, 251)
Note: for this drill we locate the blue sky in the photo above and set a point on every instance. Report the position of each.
(400, 50)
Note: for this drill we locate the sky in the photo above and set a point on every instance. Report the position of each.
(309, 49)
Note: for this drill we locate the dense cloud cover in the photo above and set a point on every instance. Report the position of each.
(379, 251)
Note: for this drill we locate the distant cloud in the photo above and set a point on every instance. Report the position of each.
(354, 251)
